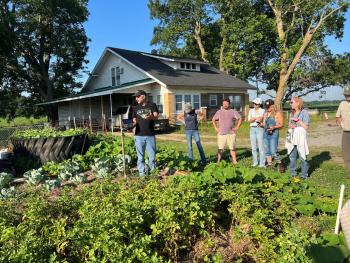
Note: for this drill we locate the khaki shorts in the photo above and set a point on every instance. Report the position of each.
(229, 139)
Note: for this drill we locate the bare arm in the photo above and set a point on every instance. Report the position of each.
(239, 122)
(214, 124)
(181, 118)
(279, 119)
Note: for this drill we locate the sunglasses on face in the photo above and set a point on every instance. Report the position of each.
(256, 104)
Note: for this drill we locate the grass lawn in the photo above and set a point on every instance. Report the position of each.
(21, 121)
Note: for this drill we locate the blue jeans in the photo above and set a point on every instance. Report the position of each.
(147, 143)
(257, 141)
(293, 156)
(271, 143)
(195, 135)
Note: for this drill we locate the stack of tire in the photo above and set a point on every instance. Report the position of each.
(55, 149)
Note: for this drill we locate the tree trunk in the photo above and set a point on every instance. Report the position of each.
(197, 36)
(222, 54)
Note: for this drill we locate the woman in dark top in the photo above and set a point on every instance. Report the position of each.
(190, 118)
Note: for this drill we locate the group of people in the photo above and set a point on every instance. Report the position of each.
(265, 125)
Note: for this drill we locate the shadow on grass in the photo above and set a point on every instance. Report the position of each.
(315, 162)
(328, 254)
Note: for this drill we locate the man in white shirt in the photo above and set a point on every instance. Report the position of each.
(343, 120)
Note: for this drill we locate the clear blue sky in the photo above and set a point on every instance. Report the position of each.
(127, 24)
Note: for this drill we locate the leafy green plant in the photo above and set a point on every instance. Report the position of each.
(46, 133)
(34, 177)
(7, 192)
(79, 179)
(69, 169)
(52, 184)
(5, 179)
(107, 167)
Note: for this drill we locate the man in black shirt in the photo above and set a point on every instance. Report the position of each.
(144, 115)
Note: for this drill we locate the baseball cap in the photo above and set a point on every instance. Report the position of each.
(139, 93)
(347, 91)
(269, 102)
(257, 101)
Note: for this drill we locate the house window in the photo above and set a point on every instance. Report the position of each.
(113, 76)
(178, 102)
(236, 102)
(196, 102)
(213, 100)
(159, 103)
(150, 98)
(194, 66)
(116, 72)
(188, 65)
(193, 99)
(182, 65)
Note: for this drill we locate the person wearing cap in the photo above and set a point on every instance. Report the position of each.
(255, 117)
(190, 118)
(343, 120)
(144, 114)
(273, 122)
(226, 130)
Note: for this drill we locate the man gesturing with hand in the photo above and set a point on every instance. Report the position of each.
(144, 115)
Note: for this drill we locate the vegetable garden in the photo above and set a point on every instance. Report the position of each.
(84, 210)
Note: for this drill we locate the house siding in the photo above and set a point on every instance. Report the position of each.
(104, 78)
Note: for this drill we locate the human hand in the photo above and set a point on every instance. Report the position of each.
(234, 129)
(148, 116)
(295, 119)
(292, 126)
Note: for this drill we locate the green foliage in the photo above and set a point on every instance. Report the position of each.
(107, 167)
(5, 179)
(46, 133)
(21, 121)
(79, 179)
(43, 52)
(68, 170)
(7, 192)
(52, 184)
(34, 177)
(165, 221)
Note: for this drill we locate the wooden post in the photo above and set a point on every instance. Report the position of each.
(340, 204)
(90, 123)
(111, 108)
(103, 124)
(123, 150)
(75, 124)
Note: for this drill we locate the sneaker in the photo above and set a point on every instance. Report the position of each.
(254, 165)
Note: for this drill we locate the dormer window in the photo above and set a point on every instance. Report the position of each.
(116, 72)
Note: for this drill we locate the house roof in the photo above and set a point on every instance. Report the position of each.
(208, 76)
(101, 91)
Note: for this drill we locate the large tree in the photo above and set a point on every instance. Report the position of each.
(179, 21)
(267, 41)
(49, 48)
(301, 27)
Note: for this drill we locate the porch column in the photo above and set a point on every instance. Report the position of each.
(169, 106)
(246, 105)
(111, 108)
(102, 120)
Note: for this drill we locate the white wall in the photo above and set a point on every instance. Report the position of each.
(104, 78)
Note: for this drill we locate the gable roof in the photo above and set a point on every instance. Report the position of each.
(207, 77)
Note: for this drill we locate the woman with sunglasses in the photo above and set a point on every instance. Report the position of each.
(296, 143)
(343, 120)
(273, 122)
(255, 117)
